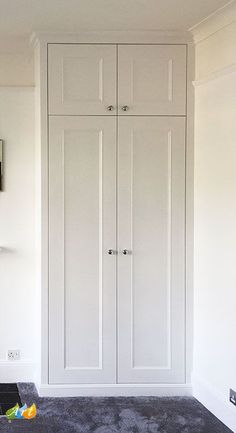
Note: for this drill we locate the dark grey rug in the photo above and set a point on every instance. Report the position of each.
(114, 415)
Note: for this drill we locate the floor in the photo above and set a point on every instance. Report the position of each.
(114, 415)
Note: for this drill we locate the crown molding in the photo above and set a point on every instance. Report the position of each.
(114, 36)
(219, 19)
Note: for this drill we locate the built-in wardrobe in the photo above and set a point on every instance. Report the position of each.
(114, 134)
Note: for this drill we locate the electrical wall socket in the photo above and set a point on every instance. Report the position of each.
(232, 396)
(13, 355)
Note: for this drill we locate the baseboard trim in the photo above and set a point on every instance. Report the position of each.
(214, 402)
(114, 390)
(17, 371)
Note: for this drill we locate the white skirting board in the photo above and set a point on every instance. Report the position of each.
(17, 371)
(114, 390)
(214, 402)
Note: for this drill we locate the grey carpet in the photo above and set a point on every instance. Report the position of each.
(114, 415)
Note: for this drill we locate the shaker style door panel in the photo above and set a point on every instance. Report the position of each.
(151, 260)
(82, 79)
(152, 79)
(82, 228)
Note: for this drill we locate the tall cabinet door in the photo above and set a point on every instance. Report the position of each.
(82, 230)
(82, 79)
(151, 239)
(152, 79)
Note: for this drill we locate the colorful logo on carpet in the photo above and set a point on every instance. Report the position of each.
(23, 412)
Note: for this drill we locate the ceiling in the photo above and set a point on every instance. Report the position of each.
(21, 17)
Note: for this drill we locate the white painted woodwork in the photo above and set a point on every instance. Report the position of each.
(165, 37)
(145, 343)
(82, 227)
(82, 79)
(152, 79)
(151, 226)
(114, 390)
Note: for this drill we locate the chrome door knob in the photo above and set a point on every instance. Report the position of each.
(111, 252)
(110, 108)
(125, 108)
(125, 252)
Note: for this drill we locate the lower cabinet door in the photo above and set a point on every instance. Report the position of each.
(151, 260)
(82, 228)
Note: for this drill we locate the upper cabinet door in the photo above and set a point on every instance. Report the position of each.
(152, 79)
(82, 79)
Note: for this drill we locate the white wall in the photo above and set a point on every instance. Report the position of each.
(16, 62)
(215, 224)
(18, 318)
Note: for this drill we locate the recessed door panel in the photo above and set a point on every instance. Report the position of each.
(82, 79)
(82, 279)
(151, 79)
(151, 269)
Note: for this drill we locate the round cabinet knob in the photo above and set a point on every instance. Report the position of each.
(110, 108)
(111, 252)
(125, 108)
(125, 252)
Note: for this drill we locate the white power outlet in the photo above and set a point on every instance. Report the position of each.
(13, 355)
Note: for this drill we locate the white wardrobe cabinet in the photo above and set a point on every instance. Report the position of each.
(128, 79)
(115, 202)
